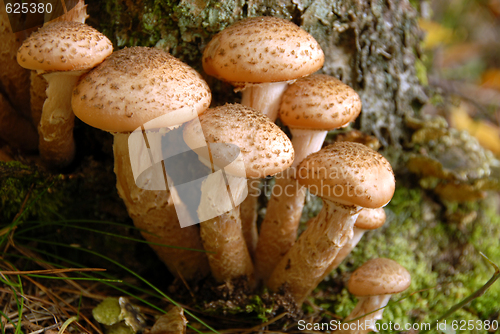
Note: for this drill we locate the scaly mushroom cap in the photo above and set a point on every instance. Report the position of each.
(64, 46)
(350, 174)
(262, 49)
(379, 276)
(136, 85)
(266, 150)
(319, 102)
(370, 219)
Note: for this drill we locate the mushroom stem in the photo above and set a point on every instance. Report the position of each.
(278, 231)
(264, 97)
(366, 304)
(305, 142)
(154, 212)
(346, 250)
(304, 265)
(223, 239)
(56, 145)
(223, 236)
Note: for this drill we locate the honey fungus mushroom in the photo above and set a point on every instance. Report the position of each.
(265, 151)
(259, 56)
(62, 52)
(347, 176)
(310, 107)
(373, 284)
(147, 88)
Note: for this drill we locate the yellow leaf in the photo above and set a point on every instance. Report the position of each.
(487, 134)
(436, 34)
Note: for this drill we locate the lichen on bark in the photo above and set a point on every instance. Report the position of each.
(370, 45)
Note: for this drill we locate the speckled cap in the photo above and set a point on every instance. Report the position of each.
(262, 49)
(319, 102)
(370, 219)
(137, 85)
(350, 174)
(266, 150)
(379, 276)
(64, 46)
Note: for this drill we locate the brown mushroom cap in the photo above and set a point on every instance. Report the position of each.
(262, 49)
(350, 174)
(266, 150)
(370, 219)
(136, 85)
(320, 102)
(64, 46)
(379, 276)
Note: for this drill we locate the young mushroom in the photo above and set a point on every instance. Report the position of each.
(265, 150)
(373, 284)
(310, 107)
(147, 88)
(260, 56)
(62, 51)
(348, 177)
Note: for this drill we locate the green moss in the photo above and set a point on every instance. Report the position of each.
(20, 183)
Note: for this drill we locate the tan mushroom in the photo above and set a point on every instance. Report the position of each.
(265, 150)
(310, 107)
(145, 87)
(62, 51)
(347, 176)
(38, 84)
(259, 56)
(373, 284)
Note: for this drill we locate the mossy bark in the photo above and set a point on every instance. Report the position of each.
(370, 45)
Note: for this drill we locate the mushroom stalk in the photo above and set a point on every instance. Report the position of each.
(305, 142)
(304, 265)
(346, 250)
(222, 235)
(56, 145)
(366, 304)
(264, 97)
(223, 239)
(154, 213)
(279, 228)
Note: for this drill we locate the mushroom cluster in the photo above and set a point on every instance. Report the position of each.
(158, 110)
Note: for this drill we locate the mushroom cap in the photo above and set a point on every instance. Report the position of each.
(262, 49)
(379, 276)
(350, 174)
(370, 219)
(136, 85)
(320, 102)
(265, 149)
(64, 46)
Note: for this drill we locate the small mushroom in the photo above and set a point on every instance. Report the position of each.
(62, 51)
(146, 88)
(373, 284)
(259, 56)
(310, 107)
(347, 176)
(265, 150)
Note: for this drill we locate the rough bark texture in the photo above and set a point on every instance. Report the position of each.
(370, 45)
